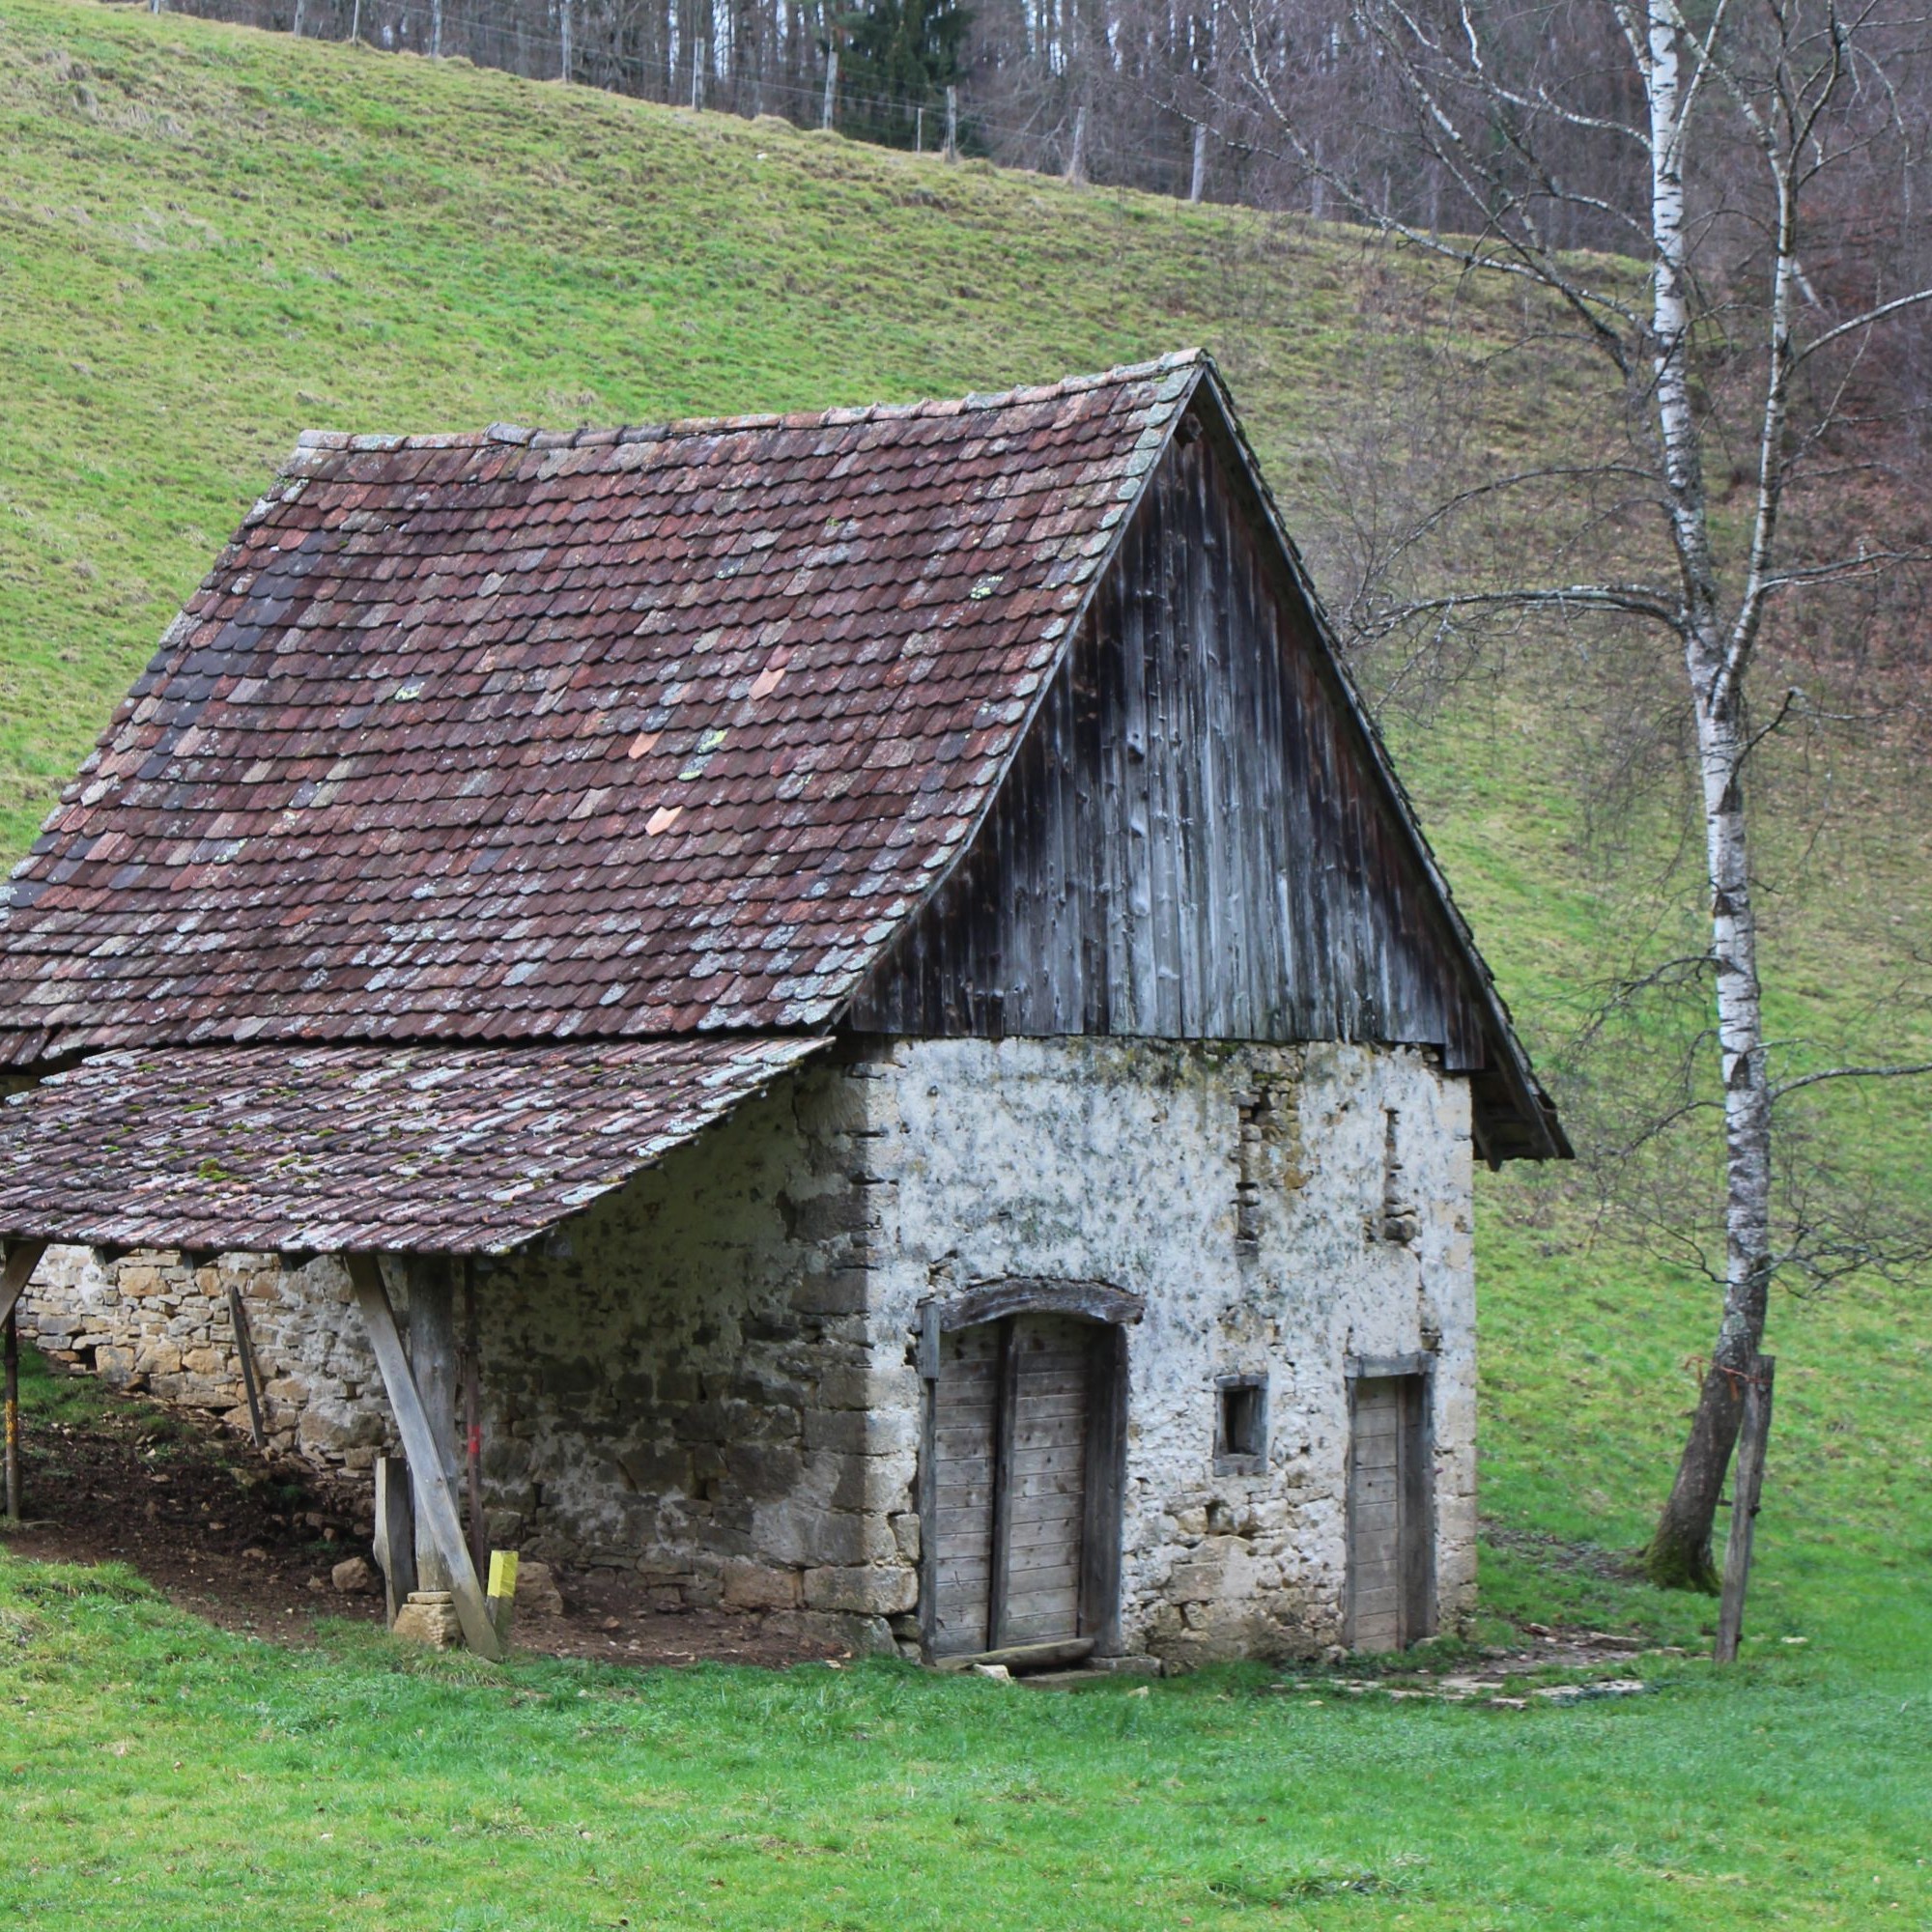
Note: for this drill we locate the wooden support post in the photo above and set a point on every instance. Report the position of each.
(436, 1522)
(433, 1362)
(1197, 181)
(395, 1533)
(1747, 1486)
(12, 1348)
(244, 1348)
(22, 1258)
(952, 123)
(830, 86)
(472, 1418)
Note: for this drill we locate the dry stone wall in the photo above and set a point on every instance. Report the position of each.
(155, 1321)
(709, 1379)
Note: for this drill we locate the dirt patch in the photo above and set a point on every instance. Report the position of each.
(249, 1542)
(1555, 1552)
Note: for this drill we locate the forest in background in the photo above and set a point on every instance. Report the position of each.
(1274, 105)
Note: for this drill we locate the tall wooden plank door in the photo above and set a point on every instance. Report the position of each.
(1041, 1519)
(1013, 1412)
(965, 1420)
(1391, 1544)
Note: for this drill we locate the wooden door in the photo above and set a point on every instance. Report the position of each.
(1016, 1419)
(1040, 1515)
(1391, 1543)
(965, 1426)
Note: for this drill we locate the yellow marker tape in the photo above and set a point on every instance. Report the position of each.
(503, 1574)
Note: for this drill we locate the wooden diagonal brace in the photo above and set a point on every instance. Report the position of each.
(435, 1509)
(23, 1258)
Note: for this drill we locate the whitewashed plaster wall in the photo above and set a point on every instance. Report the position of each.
(1257, 1252)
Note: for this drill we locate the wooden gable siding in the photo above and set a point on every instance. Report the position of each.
(1190, 843)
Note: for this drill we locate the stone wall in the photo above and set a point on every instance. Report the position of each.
(1249, 1195)
(683, 1382)
(708, 1379)
(153, 1322)
(679, 1383)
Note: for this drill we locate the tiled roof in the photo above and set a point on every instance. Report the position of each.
(457, 1150)
(615, 733)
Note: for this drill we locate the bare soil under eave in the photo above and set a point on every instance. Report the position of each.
(249, 1542)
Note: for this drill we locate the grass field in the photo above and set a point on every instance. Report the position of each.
(210, 239)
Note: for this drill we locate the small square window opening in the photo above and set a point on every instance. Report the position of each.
(1240, 1433)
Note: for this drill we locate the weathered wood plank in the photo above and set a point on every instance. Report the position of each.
(432, 1500)
(1747, 1491)
(1004, 1425)
(395, 1533)
(432, 1347)
(1193, 840)
(1025, 1657)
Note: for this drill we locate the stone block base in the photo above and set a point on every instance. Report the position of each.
(429, 1617)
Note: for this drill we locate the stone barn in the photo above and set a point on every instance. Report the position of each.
(842, 1013)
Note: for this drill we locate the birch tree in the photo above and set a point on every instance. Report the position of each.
(1664, 100)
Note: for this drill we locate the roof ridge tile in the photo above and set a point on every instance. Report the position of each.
(1177, 365)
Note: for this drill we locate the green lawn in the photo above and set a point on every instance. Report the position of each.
(209, 238)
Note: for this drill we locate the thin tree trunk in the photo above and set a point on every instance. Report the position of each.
(1679, 1549)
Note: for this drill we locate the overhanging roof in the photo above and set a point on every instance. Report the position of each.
(410, 1149)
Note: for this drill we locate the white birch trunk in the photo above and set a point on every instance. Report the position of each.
(1714, 658)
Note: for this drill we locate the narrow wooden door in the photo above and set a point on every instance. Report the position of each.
(1014, 1417)
(965, 1426)
(1391, 1544)
(1040, 1515)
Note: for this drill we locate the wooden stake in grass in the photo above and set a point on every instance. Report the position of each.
(1747, 1485)
(501, 1597)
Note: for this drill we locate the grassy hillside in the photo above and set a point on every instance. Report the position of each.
(210, 239)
